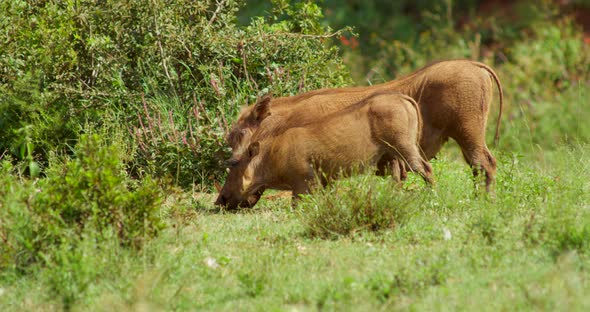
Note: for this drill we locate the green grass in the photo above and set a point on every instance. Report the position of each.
(526, 248)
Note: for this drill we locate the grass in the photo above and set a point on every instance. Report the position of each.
(527, 248)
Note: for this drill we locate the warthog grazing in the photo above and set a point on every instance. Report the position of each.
(382, 125)
(454, 99)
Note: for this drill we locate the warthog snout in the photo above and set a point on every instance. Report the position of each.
(231, 204)
(221, 200)
(227, 203)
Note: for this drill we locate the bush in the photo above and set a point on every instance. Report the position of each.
(93, 190)
(88, 197)
(363, 204)
(553, 54)
(546, 88)
(231, 66)
(65, 66)
(75, 269)
(15, 217)
(397, 38)
(541, 60)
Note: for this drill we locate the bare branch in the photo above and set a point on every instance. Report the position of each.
(297, 35)
(220, 5)
(162, 55)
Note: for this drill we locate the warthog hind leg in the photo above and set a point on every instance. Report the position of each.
(479, 157)
(410, 157)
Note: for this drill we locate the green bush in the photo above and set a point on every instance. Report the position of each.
(74, 269)
(546, 85)
(68, 66)
(16, 220)
(87, 197)
(231, 67)
(362, 204)
(542, 61)
(554, 54)
(93, 190)
(396, 38)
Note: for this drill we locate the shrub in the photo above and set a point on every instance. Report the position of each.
(554, 54)
(397, 38)
(64, 65)
(547, 88)
(15, 217)
(362, 204)
(93, 190)
(88, 197)
(231, 66)
(75, 269)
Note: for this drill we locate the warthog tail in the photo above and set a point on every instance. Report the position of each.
(418, 113)
(499, 85)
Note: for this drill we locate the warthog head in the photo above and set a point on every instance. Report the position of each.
(240, 136)
(236, 191)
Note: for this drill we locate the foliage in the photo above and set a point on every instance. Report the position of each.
(554, 53)
(68, 64)
(15, 216)
(396, 38)
(547, 88)
(93, 190)
(540, 54)
(164, 149)
(88, 197)
(355, 206)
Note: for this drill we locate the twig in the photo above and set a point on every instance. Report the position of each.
(220, 5)
(338, 32)
(190, 54)
(199, 104)
(164, 63)
(302, 82)
(248, 77)
(174, 132)
(5, 239)
(225, 124)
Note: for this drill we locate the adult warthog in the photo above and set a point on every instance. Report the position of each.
(454, 99)
(384, 125)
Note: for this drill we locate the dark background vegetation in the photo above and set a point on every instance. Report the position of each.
(106, 107)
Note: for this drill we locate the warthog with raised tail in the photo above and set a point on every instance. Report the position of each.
(454, 99)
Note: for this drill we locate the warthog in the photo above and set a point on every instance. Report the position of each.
(382, 125)
(454, 99)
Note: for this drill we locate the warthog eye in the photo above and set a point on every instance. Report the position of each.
(232, 162)
(234, 137)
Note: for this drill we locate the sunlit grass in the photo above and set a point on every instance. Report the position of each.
(525, 248)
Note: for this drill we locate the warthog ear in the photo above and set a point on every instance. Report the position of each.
(253, 149)
(262, 108)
